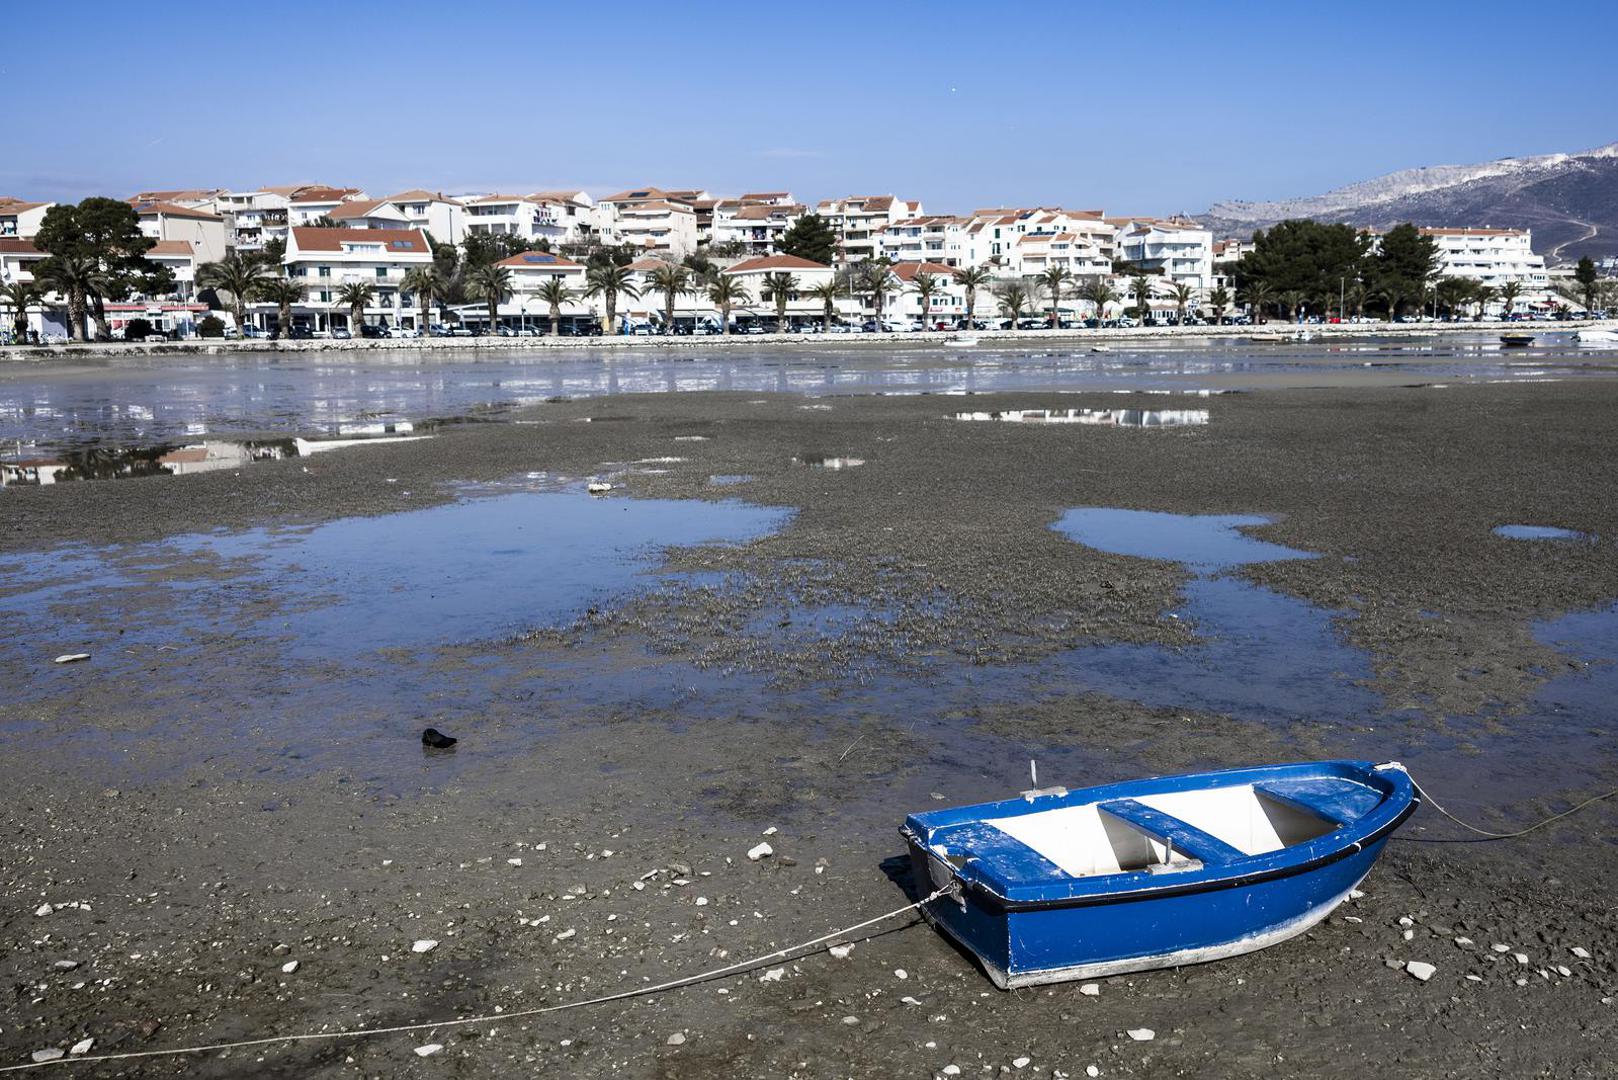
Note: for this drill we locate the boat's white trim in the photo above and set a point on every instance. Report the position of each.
(1252, 943)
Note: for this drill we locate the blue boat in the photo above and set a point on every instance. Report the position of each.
(1154, 873)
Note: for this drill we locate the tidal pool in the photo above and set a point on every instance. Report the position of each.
(1540, 532)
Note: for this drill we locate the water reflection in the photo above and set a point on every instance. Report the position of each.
(103, 462)
(1540, 532)
(1104, 417)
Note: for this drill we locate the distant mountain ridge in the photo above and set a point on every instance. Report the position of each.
(1570, 201)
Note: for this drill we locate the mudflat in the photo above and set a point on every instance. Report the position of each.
(234, 782)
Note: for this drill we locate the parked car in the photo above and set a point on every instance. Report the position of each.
(403, 332)
(254, 332)
(369, 331)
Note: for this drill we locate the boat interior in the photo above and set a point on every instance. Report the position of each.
(1163, 832)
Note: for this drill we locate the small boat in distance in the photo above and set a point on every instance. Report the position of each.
(1154, 873)
(1516, 341)
(960, 342)
(1267, 339)
(1590, 336)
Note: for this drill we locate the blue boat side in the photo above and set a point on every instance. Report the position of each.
(1029, 921)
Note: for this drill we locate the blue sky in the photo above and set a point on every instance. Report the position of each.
(1134, 108)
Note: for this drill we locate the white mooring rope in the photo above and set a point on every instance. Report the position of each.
(622, 995)
(1506, 835)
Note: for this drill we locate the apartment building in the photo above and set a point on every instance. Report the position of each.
(257, 216)
(308, 205)
(20, 219)
(205, 234)
(860, 220)
(801, 306)
(326, 259)
(441, 217)
(580, 216)
(1494, 257)
(947, 305)
(1178, 249)
(523, 216)
(925, 238)
(754, 227)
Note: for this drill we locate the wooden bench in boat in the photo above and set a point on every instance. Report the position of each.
(1328, 798)
(1182, 837)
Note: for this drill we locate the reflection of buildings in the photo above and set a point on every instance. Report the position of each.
(97, 463)
(1105, 417)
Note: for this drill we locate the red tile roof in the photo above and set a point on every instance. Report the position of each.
(171, 247)
(10, 245)
(356, 208)
(907, 271)
(323, 194)
(171, 210)
(402, 241)
(776, 262)
(539, 260)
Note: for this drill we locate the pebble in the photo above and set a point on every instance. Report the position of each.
(851, 1020)
(773, 975)
(424, 945)
(429, 1050)
(1521, 958)
(1021, 1063)
(1421, 970)
(1474, 978)
(771, 831)
(841, 952)
(952, 1070)
(513, 862)
(42, 910)
(1563, 970)
(1501, 948)
(677, 1039)
(900, 973)
(702, 901)
(71, 658)
(1463, 941)
(1091, 1070)
(65, 965)
(50, 1053)
(1581, 952)
(289, 967)
(763, 851)
(81, 1047)
(1090, 990)
(1142, 1034)
(565, 934)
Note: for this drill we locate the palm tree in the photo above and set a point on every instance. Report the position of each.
(1013, 299)
(972, 279)
(19, 296)
(1183, 295)
(1219, 300)
(1052, 280)
(827, 292)
(283, 293)
(874, 281)
(1292, 300)
(1392, 296)
(75, 277)
(779, 287)
(1140, 286)
(1098, 292)
(671, 281)
(554, 291)
(726, 292)
(1258, 295)
(426, 283)
(1509, 293)
(926, 286)
(1355, 296)
(491, 283)
(356, 296)
(1483, 296)
(237, 275)
(607, 280)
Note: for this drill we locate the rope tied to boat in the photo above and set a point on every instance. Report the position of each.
(1487, 834)
(487, 1018)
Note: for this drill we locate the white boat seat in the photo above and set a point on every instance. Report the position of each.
(1185, 839)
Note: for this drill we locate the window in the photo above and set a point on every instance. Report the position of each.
(325, 271)
(381, 271)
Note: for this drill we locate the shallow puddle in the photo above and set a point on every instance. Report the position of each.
(183, 459)
(1540, 532)
(1204, 541)
(821, 461)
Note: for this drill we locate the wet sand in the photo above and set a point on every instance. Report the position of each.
(217, 834)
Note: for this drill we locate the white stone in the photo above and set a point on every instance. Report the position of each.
(1581, 952)
(1406, 920)
(702, 901)
(1520, 957)
(1090, 990)
(424, 945)
(65, 965)
(952, 1070)
(773, 975)
(1021, 1063)
(1474, 978)
(1563, 970)
(289, 967)
(771, 831)
(82, 1046)
(42, 910)
(841, 952)
(1421, 970)
(513, 862)
(429, 1050)
(763, 851)
(565, 934)
(72, 658)
(50, 1053)
(1497, 947)
(1463, 941)
(900, 973)
(677, 1039)
(639, 886)
(1091, 1070)
(1142, 1034)
(1410, 935)
(1353, 894)
(909, 1000)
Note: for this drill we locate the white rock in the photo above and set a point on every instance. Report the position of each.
(639, 886)
(1090, 990)
(565, 934)
(909, 1000)
(1406, 920)
(42, 910)
(900, 973)
(82, 1046)
(513, 862)
(1421, 970)
(429, 1050)
(702, 901)
(1474, 978)
(1021, 1063)
(289, 967)
(851, 1020)
(601, 487)
(952, 1070)
(1410, 935)
(1581, 952)
(1142, 1034)
(424, 945)
(1091, 1070)
(773, 975)
(841, 952)
(71, 658)
(677, 1039)
(50, 1053)
(771, 831)
(763, 851)
(1520, 957)
(1463, 941)
(1353, 894)
(1563, 970)
(1497, 947)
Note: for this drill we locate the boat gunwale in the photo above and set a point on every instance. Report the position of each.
(1398, 803)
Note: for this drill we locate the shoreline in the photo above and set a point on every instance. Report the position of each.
(114, 350)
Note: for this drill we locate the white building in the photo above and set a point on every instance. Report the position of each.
(925, 238)
(309, 204)
(756, 227)
(530, 270)
(1177, 249)
(257, 216)
(1494, 257)
(801, 307)
(580, 216)
(656, 226)
(206, 235)
(523, 216)
(443, 218)
(947, 305)
(324, 260)
(860, 220)
(20, 219)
